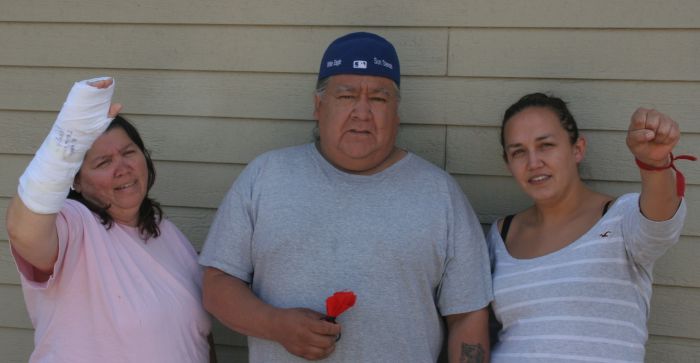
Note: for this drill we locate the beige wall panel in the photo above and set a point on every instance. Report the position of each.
(208, 139)
(540, 13)
(201, 185)
(243, 95)
(13, 313)
(679, 266)
(4, 202)
(204, 139)
(12, 167)
(425, 141)
(23, 132)
(675, 312)
(8, 270)
(588, 54)
(16, 345)
(225, 336)
(193, 222)
(477, 150)
(488, 204)
(609, 158)
(595, 104)
(573, 13)
(226, 353)
(203, 47)
(218, 140)
(676, 350)
(474, 150)
(196, 139)
(460, 101)
(230, 346)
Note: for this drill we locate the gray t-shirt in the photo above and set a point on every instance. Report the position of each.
(405, 240)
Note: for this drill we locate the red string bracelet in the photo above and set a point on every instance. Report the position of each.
(680, 179)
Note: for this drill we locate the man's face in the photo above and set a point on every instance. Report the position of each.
(357, 121)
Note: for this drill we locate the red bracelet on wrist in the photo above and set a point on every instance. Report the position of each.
(680, 179)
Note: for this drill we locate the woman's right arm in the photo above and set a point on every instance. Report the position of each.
(33, 235)
(43, 187)
(651, 138)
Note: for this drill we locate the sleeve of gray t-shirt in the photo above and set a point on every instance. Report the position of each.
(228, 246)
(466, 281)
(647, 240)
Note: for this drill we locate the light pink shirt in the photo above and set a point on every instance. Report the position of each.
(114, 298)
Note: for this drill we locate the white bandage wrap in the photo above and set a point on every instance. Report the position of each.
(44, 185)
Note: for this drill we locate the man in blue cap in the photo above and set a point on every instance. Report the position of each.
(350, 212)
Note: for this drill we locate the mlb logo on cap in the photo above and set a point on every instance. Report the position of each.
(359, 64)
(361, 53)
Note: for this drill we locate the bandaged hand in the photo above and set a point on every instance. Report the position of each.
(85, 115)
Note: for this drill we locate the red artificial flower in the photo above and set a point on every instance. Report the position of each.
(337, 303)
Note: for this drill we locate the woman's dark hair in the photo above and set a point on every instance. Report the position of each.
(555, 104)
(150, 212)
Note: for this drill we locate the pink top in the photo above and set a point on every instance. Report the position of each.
(114, 298)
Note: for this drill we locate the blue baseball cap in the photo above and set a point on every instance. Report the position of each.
(361, 53)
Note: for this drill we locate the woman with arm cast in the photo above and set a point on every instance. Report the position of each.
(105, 277)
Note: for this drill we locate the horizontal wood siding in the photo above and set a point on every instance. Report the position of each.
(212, 85)
(16, 344)
(451, 101)
(397, 13)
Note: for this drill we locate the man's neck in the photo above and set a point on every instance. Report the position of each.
(394, 156)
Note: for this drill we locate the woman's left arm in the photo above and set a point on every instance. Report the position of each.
(651, 138)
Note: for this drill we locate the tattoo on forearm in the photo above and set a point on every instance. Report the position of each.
(471, 354)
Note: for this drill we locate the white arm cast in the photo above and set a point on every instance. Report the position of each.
(44, 185)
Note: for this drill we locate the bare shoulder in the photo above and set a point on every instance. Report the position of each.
(599, 202)
(520, 217)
